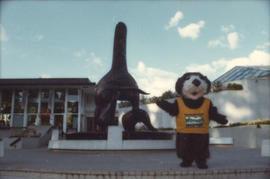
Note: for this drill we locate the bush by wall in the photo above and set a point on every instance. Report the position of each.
(249, 123)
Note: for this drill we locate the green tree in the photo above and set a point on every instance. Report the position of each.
(168, 94)
(153, 99)
(124, 104)
(143, 99)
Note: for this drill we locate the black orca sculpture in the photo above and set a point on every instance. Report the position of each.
(118, 84)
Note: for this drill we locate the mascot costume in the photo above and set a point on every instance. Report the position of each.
(193, 113)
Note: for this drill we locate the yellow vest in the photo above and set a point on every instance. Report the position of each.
(194, 121)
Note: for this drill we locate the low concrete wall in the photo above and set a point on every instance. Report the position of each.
(24, 142)
(8, 140)
(27, 142)
(30, 142)
(245, 136)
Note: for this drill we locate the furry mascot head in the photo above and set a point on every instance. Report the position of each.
(192, 85)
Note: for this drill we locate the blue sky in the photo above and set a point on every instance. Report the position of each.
(165, 39)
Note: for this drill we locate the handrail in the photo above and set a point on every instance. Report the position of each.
(15, 141)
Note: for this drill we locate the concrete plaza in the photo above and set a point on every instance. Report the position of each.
(225, 162)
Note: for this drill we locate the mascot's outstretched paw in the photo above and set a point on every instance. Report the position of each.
(131, 118)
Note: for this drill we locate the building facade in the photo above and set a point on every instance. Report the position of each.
(66, 103)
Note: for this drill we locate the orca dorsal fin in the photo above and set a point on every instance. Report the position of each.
(119, 62)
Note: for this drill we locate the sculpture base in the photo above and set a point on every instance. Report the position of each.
(147, 135)
(86, 136)
(114, 141)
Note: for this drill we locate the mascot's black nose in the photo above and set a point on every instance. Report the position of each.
(196, 82)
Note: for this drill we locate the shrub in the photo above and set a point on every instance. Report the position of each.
(217, 87)
(234, 86)
(249, 123)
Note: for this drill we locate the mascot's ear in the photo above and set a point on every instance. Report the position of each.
(179, 84)
(208, 83)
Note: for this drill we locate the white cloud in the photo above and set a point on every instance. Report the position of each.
(175, 20)
(214, 43)
(154, 81)
(200, 68)
(80, 53)
(141, 67)
(39, 37)
(230, 39)
(93, 77)
(45, 75)
(227, 28)
(95, 59)
(88, 57)
(233, 39)
(265, 46)
(191, 31)
(3, 34)
(218, 67)
(219, 42)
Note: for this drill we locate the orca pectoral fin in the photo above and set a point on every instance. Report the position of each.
(117, 88)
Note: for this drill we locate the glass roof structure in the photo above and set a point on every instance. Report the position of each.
(244, 72)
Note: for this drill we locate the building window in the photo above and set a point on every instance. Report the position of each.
(59, 105)
(5, 109)
(44, 94)
(45, 111)
(58, 121)
(32, 106)
(72, 116)
(60, 95)
(73, 91)
(72, 121)
(73, 107)
(6, 101)
(19, 102)
(18, 115)
(44, 107)
(31, 120)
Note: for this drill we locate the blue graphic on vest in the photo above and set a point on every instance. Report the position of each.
(194, 120)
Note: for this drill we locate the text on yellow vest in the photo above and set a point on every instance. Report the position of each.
(194, 121)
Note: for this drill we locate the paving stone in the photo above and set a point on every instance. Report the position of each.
(225, 162)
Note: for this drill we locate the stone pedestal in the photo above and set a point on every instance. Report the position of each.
(55, 134)
(114, 140)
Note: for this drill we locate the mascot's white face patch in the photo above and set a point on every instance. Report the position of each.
(194, 87)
